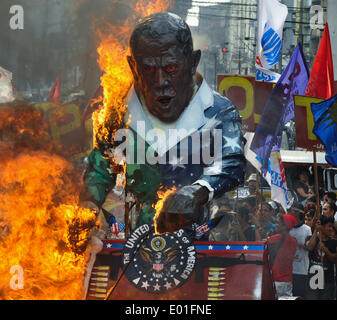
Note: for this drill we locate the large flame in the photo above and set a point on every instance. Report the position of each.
(42, 228)
(38, 211)
(43, 232)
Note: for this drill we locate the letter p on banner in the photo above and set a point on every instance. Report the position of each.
(16, 281)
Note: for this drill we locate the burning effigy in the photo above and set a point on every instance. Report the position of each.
(159, 126)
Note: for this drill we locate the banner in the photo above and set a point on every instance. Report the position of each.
(304, 123)
(279, 108)
(275, 175)
(241, 91)
(266, 75)
(271, 17)
(325, 118)
(321, 82)
(6, 88)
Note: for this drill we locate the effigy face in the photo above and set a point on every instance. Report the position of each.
(163, 75)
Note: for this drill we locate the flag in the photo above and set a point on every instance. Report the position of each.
(208, 226)
(321, 81)
(116, 226)
(54, 94)
(325, 127)
(6, 88)
(203, 229)
(275, 175)
(271, 17)
(279, 108)
(266, 75)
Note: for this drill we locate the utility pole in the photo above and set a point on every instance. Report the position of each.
(215, 70)
(240, 60)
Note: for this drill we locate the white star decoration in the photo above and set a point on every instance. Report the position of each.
(228, 247)
(232, 143)
(156, 287)
(176, 162)
(245, 247)
(210, 247)
(145, 284)
(167, 285)
(109, 245)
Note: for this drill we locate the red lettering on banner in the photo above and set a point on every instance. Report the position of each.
(258, 61)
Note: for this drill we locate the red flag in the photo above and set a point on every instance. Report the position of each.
(54, 94)
(321, 81)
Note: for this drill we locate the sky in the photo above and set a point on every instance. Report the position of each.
(192, 18)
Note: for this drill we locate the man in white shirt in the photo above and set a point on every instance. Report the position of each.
(301, 261)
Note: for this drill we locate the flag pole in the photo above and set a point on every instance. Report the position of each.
(317, 213)
(258, 202)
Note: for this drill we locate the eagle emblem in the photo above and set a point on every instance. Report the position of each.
(157, 263)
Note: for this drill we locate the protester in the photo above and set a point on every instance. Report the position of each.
(303, 189)
(280, 208)
(224, 230)
(251, 182)
(334, 233)
(329, 197)
(251, 203)
(263, 220)
(322, 254)
(309, 216)
(282, 248)
(221, 204)
(329, 209)
(275, 210)
(310, 204)
(244, 230)
(301, 260)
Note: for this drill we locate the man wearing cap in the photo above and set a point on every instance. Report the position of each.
(282, 248)
(301, 260)
(251, 181)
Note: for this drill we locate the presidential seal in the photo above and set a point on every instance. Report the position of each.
(157, 263)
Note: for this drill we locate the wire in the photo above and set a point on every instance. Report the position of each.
(193, 14)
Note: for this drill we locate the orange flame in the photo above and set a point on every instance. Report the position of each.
(38, 208)
(145, 8)
(162, 196)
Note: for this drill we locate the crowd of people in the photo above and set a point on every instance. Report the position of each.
(302, 242)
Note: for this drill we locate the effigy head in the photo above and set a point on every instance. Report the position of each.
(163, 64)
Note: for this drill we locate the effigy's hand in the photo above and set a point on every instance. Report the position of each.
(89, 205)
(97, 229)
(181, 208)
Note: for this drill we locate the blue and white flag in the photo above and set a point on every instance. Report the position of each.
(279, 108)
(325, 128)
(271, 17)
(275, 175)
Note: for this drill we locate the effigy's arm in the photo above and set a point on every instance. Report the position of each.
(181, 207)
(98, 179)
